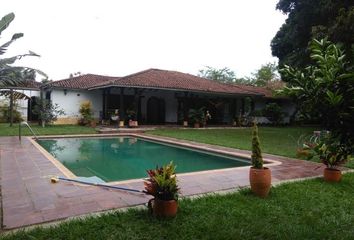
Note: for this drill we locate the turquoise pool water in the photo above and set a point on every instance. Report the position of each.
(122, 158)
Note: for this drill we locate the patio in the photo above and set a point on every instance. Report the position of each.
(29, 198)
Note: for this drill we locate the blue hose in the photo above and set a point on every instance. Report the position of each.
(97, 184)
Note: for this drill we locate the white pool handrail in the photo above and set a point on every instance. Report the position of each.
(29, 127)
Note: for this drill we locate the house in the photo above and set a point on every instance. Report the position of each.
(156, 96)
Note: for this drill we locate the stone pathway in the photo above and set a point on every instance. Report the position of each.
(29, 198)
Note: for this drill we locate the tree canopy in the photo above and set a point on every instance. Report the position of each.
(267, 73)
(309, 19)
(224, 75)
(262, 77)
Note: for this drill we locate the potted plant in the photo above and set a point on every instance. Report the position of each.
(115, 116)
(196, 116)
(162, 185)
(260, 177)
(332, 154)
(131, 114)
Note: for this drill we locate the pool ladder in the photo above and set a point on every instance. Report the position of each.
(20, 130)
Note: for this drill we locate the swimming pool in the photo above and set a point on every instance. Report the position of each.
(123, 158)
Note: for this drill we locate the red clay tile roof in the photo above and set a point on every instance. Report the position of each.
(29, 84)
(260, 90)
(81, 82)
(163, 79)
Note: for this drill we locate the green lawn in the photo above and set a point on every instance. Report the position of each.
(6, 130)
(275, 140)
(309, 209)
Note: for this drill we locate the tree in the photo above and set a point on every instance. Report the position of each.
(308, 19)
(326, 89)
(47, 111)
(13, 75)
(267, 73)
(224, 75)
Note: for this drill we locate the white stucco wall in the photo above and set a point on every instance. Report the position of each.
(71, 101)
(22, 105)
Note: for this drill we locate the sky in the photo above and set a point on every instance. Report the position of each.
(117, 38)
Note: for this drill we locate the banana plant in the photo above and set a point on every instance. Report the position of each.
(13, 75)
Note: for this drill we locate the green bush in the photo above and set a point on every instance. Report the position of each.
(5, 114)
(86, 113)
(273, 112)
(47, 111)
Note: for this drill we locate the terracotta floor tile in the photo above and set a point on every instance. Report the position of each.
(29, 198)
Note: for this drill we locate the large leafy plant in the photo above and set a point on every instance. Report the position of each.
(197, 115)
(331, 152)
(162, 183)
(13, 75)
(326, 89)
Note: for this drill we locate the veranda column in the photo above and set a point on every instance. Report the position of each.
(104, 104)
(185, 109)
(243, 106)
(121, 104)
(136, 103)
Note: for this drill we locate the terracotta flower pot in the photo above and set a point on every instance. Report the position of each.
(164, 208)
(261, 181)
(93, 124)
(332, 175)
(133, 124)
(196, 125)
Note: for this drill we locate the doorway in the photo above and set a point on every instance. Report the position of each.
(155, 110)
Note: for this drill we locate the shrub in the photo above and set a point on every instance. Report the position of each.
(86, 113)
(47, 111)
(257, 159)
(273, 113)
(196, 115)
(5, 113)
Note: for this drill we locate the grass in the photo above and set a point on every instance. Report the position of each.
(274, 140)
(310, 209)
(6, 130)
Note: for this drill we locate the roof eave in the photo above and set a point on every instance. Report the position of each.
(174, 89)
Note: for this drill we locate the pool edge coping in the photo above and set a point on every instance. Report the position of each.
(191, 145)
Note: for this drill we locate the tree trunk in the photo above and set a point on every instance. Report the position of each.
(11, 107)
(42, 108)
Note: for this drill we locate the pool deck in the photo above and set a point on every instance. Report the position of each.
(28, 197)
